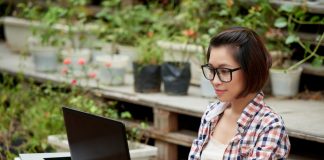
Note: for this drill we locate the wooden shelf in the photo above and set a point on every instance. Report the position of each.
(313, 7)
(310, 37)
(309, 69)
(180, 137)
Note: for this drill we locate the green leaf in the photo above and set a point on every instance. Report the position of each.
(299, 14)
(287, 8)
(315, 18)
(126, 115)
(144, 125)
(281, 22)
(317, 62)
(291, 38)
(223, 13)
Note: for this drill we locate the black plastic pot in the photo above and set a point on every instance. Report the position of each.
(176, 77)
(147, 78)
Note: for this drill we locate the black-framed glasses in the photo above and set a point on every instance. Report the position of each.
(224, 74)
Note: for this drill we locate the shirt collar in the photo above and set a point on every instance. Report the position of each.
(250, 111)
(215, 110)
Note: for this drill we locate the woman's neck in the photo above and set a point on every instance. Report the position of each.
(237, 106)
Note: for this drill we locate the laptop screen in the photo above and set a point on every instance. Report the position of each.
(93, 137)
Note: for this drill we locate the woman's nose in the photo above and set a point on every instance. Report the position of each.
(216, 80)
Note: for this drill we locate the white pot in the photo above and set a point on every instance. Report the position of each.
(112, 69)
(129, 51)
(17, 32)
(138, 151)
(285, 84)
(45, 58)
(206, 88)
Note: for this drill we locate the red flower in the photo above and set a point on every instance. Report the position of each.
(150, 34)
(92, 75)
(108, 64)
(67, 61)
(189, 33)
(274, 33)
(81, 61)
(46, 114)
(74, 82)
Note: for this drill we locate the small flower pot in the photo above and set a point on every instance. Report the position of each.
(285, 84)
(17, 31)
(176, 77)
(147, 78)
(112, 69)
(45, 58)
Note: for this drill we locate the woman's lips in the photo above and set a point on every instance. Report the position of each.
(220, 92)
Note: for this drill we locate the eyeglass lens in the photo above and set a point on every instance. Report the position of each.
(224, 74)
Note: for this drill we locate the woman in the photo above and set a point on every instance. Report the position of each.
(240, 125)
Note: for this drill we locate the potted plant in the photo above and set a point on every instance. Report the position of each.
(46, 40)
(288, 75)
(17, 26)
(283, 82)
(112, 68)
(176, 68)
(147, 66)
(76, 31)
(122, 25)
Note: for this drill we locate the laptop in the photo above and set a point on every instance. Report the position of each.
(92, 137)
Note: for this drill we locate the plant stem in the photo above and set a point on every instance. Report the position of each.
(305, 22)
(312, 53)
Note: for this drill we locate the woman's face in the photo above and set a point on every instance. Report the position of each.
(221, 57)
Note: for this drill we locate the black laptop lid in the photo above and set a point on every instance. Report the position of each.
(93, 137)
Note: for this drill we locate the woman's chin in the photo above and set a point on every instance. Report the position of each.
(222, 98)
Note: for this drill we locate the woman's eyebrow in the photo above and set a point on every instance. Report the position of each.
(221, 65)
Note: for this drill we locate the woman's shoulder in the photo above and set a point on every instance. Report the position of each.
(268, 117)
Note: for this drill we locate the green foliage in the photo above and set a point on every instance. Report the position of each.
(137, 134)
(125, 25)
(28, 10)
(45, 25)
(149, 52)
(292, 17)
(31, 111)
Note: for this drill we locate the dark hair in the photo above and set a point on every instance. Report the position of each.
(251, 54)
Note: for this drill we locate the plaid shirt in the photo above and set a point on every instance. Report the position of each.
(261, 133)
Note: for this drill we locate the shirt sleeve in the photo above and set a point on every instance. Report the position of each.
(273, 142)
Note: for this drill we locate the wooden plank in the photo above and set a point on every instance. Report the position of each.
(316, 71)
(305, 136)
(181, 137)
(165, 122)
(313, 7)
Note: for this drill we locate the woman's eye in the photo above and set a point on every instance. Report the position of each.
(223, 71)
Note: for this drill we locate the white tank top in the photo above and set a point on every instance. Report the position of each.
(214, 150)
